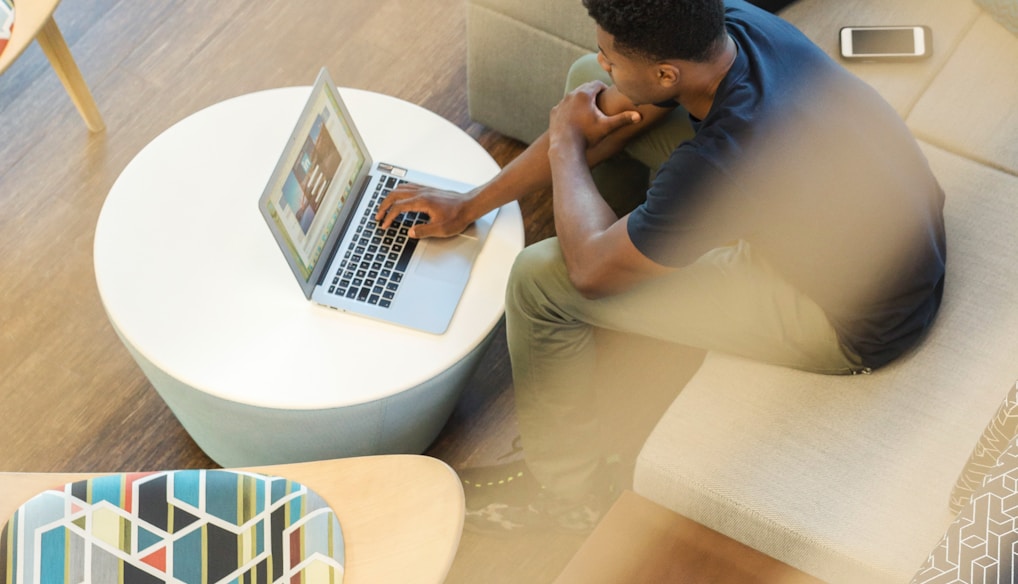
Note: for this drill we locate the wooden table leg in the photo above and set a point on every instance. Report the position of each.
(55, 48)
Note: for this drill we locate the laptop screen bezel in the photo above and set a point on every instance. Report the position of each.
(323, 85)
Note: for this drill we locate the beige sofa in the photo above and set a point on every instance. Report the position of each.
(847, 479)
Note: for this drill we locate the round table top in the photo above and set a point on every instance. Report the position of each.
(193, 280)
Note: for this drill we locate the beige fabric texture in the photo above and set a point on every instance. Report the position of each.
(848, 479)
(566, 19)
(515, 71)
(972, 106)
(901, 84)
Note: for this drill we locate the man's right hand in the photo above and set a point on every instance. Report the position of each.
(446, 210)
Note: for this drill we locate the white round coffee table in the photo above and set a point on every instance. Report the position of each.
(195, 286)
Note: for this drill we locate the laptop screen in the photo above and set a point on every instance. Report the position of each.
(315, 176)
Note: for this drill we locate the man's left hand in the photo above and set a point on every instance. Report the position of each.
(578, 120)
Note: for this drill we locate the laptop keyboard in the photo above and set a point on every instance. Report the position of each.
(375, 262)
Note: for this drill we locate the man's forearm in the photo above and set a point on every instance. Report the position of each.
(530, 172)
(580, 211)
(527, 173)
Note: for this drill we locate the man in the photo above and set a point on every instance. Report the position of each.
(791, 219)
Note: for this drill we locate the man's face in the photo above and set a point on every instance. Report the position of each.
(634, 77)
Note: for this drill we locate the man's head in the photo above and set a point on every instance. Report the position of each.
(661, 30)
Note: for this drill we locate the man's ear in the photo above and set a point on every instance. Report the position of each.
(668, 75)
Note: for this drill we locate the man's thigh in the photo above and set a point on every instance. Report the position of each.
(729, 300)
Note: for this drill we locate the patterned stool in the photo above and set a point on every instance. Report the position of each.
(191, 526)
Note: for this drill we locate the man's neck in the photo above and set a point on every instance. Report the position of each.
(701, 80)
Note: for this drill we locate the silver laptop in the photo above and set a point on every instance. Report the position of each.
(320, 205)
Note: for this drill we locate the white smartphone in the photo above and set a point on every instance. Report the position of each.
(886, 42)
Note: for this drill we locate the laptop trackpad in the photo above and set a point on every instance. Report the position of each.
(447, 259)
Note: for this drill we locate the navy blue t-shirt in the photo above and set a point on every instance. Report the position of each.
(820, 175)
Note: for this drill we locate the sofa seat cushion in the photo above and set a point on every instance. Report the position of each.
(901, 84)
(849, 478)
(972, 106)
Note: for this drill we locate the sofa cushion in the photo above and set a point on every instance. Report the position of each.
(901, 84)
(848, 478)
(565, 19)
(999, 433)
(972, 106)
(1003, 11)
(175, 526)
(979, 546)
(515, 72)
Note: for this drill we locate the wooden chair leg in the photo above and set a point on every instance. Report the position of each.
(55, 49)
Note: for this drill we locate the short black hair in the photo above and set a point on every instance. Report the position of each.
(656, 30)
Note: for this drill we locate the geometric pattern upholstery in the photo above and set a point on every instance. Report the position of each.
(1002, 429)
(981, 545)
(189, 526)
(6, 22)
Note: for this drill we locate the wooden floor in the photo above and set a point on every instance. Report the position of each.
(71, 397)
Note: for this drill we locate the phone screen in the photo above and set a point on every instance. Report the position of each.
(893, 41)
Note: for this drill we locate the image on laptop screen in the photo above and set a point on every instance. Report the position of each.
(305, 202)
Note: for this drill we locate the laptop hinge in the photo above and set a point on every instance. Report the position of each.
(393, 170)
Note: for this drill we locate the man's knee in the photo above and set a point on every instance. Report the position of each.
(538, 271)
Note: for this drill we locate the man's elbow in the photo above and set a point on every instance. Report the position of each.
(588, 285)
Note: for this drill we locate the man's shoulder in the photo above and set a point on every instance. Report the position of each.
(740, 9)
(752, 25)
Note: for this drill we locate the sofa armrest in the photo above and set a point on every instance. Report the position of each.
(518, 55)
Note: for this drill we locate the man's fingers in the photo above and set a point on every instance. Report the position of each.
(389, 210)
(412, 205)
(422, 230)
(580, 110)
(593, 87)
(398, 201)
(622, 120)
(441, 207)
(401, 193)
